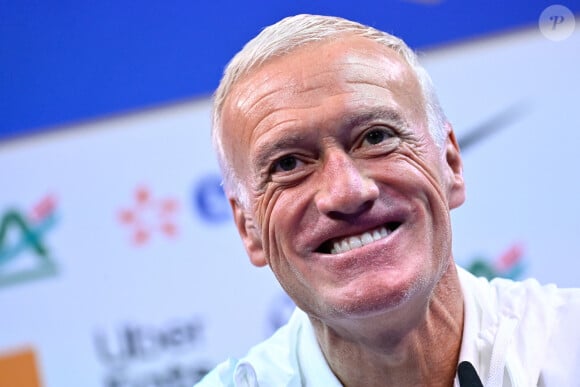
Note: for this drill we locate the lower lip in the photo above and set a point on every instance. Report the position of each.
(376, 253)
(388, 232)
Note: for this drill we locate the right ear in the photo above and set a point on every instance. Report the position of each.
(251, 236)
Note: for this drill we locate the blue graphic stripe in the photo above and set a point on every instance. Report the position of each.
(63, 62)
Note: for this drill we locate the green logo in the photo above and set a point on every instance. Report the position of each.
(508, 265)
(23, 253)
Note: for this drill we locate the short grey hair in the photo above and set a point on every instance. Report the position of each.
(294, 32)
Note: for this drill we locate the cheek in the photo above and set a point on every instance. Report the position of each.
(285, 219)
(420, 172)
(435, 215)
(415, 178)
(272, 215)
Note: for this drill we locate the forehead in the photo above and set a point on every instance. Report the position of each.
(318, 82)
(314, 71)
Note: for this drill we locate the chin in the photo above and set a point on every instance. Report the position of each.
(383, 294)
(368, 303)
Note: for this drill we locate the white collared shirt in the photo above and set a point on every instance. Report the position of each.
(515, 334)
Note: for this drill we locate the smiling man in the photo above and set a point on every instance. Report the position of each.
(341, 170)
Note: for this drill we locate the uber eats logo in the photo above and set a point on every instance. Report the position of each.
(24, 254)
(169, 354)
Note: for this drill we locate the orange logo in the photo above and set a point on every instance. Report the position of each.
(19, 369)
(149, 216)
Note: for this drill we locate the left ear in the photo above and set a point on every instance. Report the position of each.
(249, 233)
(454, 168)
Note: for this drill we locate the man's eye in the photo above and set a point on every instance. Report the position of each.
(376, 136)
(285, 164)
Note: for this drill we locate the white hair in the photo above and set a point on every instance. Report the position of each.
(295, 32)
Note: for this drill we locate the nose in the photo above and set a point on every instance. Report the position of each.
(344, 190)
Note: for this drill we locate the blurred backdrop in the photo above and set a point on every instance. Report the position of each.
(119, 262)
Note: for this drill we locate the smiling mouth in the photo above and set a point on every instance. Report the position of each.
(342, 245)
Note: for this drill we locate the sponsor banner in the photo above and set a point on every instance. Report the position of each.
(512, 100)
(118, 247)
(121, 265)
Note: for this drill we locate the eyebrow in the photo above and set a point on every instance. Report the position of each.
(265, 152)
(292, 139)
(392, 117)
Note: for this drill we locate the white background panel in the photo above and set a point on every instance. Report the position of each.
(176, 305)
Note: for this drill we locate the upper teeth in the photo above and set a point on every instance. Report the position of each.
(352, 242)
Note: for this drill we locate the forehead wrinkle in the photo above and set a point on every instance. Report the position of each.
(307, 84)
(289, 107)
(288, 84)
(247, 102)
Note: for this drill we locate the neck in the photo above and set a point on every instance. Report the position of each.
(422, 350)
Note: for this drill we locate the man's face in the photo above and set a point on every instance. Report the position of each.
(349, 194)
